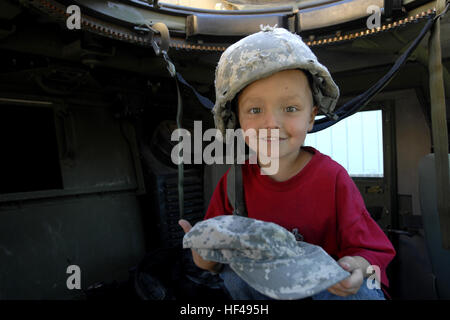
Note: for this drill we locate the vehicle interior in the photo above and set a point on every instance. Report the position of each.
(91, 91)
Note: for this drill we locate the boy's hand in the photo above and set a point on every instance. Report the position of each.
(356, 266)
(198, 260)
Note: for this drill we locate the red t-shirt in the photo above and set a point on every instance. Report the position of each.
(321, 201)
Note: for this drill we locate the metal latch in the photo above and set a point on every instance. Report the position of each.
(162, 49)
(297, 235)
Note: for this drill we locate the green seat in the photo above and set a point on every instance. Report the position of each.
(440, 258)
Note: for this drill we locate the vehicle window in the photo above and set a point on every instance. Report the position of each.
(29, 150)
(355, 142)
(230, 4)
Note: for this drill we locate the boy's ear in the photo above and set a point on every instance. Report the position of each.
(314, 113)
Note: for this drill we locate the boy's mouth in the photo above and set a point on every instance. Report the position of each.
(270, 139)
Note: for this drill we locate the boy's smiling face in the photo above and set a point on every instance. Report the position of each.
(281, 101)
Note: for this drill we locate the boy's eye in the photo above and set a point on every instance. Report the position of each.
(254, 110)
(291, 109)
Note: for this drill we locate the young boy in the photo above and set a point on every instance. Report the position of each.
(278, 83)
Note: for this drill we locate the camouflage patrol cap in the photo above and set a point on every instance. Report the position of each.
(266, 256)
(260, 55)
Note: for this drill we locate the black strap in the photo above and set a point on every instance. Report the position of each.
(203, 100)
(235, 190)
(356, 104)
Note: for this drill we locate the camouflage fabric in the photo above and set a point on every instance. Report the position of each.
(260, 55)
(266, 256)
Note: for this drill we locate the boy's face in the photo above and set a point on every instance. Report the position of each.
(281, 101)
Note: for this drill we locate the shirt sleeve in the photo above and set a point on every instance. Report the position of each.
(358, 233)
(219, 204)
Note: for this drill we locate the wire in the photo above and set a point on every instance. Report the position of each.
(358, 103)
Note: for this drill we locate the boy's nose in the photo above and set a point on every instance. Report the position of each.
(271, 120)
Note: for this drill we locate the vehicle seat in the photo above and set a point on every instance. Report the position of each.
(440, 258)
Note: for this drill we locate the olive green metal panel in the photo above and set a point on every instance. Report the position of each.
(101, 156)
(93, 222)
(102, 234)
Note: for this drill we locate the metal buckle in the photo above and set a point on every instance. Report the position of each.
(297, 235)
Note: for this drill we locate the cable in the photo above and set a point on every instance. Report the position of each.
(356, 104)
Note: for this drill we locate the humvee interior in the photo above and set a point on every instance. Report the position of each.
(91, 92)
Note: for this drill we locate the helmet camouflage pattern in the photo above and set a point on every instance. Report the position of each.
(260, 55)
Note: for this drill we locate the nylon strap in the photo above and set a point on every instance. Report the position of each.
(162, 49)
(439, 127)
(181, 165)
(235, 190)
(357, 103)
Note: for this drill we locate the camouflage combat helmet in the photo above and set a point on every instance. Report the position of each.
(266, 256)
(260, 55)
